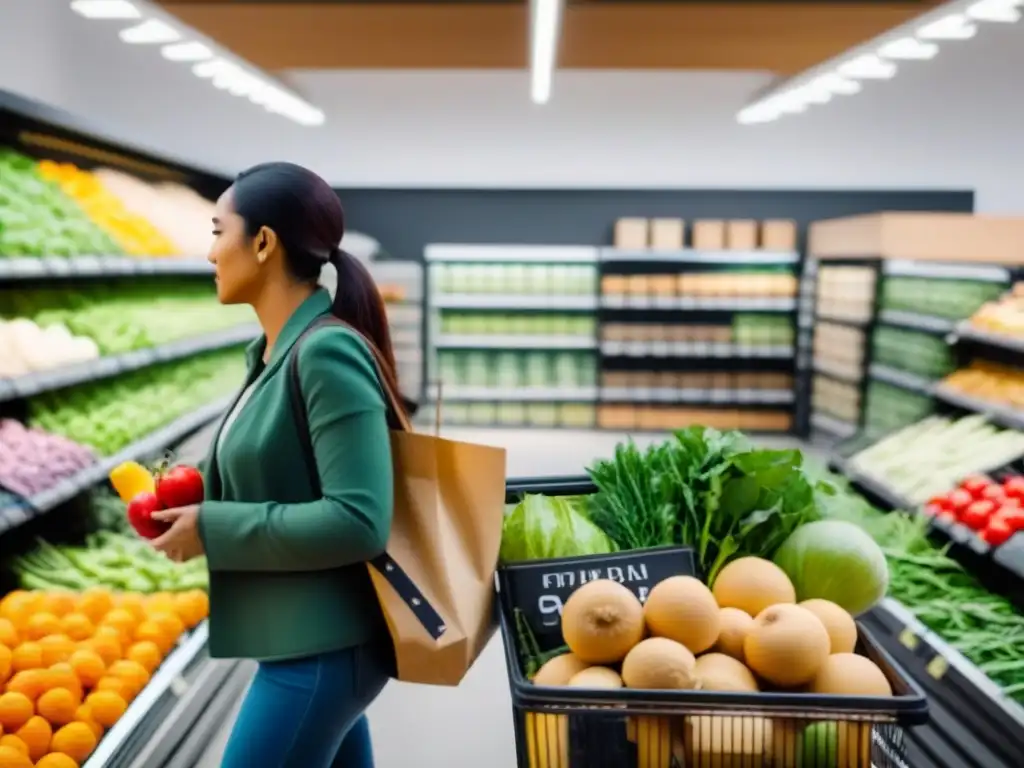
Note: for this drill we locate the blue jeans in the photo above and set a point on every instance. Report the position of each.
(308, 713)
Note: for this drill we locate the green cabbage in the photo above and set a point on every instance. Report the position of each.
(835, 560)
(542, 527)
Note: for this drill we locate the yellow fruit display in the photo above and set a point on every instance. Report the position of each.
(76, 740)
(11, 757)
(136, 235)
(130, 479)
(36, 735)
(15, 710)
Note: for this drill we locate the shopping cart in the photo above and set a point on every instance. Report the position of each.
(562, 727)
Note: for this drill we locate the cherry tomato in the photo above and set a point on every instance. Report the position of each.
(977, 514)
(933, 510)
(994, 493)
(942, 502)
(975, 484)
(1012, 515)
(959, 500)
(1014, 487)
(997, 532)
(179, 487)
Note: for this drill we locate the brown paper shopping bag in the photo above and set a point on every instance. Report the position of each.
(435, 582)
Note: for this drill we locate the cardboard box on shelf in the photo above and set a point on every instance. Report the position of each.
(632, 233)
(741, 235)
(616, 416)
(614, 285)
(709, 234)
(778, 235)
(667, 234)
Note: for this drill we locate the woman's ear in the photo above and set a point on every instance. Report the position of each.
(265, 243)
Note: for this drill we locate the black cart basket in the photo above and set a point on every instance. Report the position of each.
(575, 727)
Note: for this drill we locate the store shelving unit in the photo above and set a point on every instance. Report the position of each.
(512, 334)
(697, 336)
(401, 285)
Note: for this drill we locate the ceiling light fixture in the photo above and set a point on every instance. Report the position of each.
(105, 9)
(545, 30)
(150, 32)
(191, 51)
(917, 40)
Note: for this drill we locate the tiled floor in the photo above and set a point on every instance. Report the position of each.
(472, 725)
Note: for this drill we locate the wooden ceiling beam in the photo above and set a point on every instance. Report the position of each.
(778, 36)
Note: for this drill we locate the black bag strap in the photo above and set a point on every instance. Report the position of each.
(399, 580)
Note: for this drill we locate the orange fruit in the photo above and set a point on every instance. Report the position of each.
(107, 707)
(18, 605)
(77, 626)
(116, 685)
(122, 620)
(169, 622)
(27, 656)
(8, 634)
(95, 603)
(58, 705)
(76, 740)
(84, 715)
(154, 633)
(6, 663)
(133, 673)
(36, 734)
(88, 666)
(57, 603)
(30, 682)
(132, 602)
(11, 757)
(109, 648)
(63, 676)
(57, 760)
(145, 653)
(159, 602)
(13, 742)
(40, 625)
(56, 649)
(15, 710)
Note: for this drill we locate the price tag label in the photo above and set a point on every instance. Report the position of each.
(23, 268)
(659, 348)
(57, 267)
(664, 302)
(909, 640)
(937, 667)
(612, 348)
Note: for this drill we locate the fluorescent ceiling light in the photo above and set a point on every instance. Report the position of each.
(1005, 11)
(191, 51)
(105, 9)
(149, 32)
(545, 26)
(908, 48)
(955, 26)
(867, 66)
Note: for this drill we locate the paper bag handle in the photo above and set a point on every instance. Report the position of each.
(392, 572)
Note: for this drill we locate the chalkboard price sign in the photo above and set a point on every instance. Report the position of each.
(540, 589)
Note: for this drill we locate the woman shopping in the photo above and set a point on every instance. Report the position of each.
(287, 532)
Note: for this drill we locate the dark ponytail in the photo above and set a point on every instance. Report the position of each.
(307, 217)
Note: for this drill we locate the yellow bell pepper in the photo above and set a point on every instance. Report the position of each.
(130, 479)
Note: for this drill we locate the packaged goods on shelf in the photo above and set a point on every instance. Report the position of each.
(518, 414)
(511, 369)
(514, 279)
(845, 293)
(889, 407)
(516, 324)
(836, 398)
(839, 350)
(38, 219)
(738, 283)
(669, 386)
(946, 298)
(757, 330)
(919, 353)
(109, 415)
(661, 418)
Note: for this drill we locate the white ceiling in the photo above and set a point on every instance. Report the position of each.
(951, 122)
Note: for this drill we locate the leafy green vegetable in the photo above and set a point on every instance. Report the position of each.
(711, 490)
(543, 527)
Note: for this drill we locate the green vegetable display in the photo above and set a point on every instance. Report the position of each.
(543, 527)
(110, 414)
(704, 488)
(108, 559)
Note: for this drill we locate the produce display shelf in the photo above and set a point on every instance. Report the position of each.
(901, 379)
(916, 321)
(832, 371)
(516, 394)
(693, 349)
(524, 302)
(970, 714)
(832, 425)
(670, 395)
(501, 341)
(967, 332)
(698, 256)
(106, 367)
(63, 268)
(510, 254)
(852, 322)
(1003, 415)
(150, 446)
(684, 303)
(980, 272)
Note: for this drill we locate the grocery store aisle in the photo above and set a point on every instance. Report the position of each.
(472, 724)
